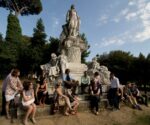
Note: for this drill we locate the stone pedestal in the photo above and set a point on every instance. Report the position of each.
(77, 70)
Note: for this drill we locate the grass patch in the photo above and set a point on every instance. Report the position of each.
(143, 120)
(116, 124)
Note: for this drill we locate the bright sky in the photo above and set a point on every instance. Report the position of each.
(107, 24)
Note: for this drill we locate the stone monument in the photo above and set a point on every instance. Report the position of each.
(103, 71)
(72, 45)
(51, 72)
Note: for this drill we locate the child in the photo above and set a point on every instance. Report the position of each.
(28, 102)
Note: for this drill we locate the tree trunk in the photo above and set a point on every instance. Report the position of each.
(145, 89)
(16, 13)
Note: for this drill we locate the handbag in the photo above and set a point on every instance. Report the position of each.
(61, 101)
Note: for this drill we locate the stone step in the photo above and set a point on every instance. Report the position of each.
(84, 97)
(47, 109)
(87, 96)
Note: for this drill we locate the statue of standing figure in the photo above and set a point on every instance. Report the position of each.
(63, 61)
(71, 28)
(70, 40)
(73, 22)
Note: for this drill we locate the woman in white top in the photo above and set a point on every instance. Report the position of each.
(28, 101)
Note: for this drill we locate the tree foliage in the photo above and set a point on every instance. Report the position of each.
(37, 46)
(127, 67)
(9, 55)
(1, 38)
(54, 45)
(23, 7)
(39, 35)
(85, 53)
(13, 33)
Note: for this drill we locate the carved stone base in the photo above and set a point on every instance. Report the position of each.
(77, 70)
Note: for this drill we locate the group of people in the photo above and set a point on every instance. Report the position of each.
(12, 87)
(66, 93)
(134, 97)
(128, 93)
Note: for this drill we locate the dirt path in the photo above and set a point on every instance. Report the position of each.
(125, 116)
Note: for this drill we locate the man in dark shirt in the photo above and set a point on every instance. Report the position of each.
(69, 82)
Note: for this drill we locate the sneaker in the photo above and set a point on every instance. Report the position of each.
(114, 109)
(134, 106)
(110, 107)
(96, 113)
(138, 107)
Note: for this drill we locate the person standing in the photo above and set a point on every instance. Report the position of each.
(4, 84)
(13, 86)
(114, 91)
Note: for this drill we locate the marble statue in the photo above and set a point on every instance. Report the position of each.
(103, 71)
(72, 44)
(71, 41)
(63, 61)
(95, 65)
(73, 21)
(51, 69)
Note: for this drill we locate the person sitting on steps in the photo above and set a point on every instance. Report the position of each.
(69, 82)
(28, 102)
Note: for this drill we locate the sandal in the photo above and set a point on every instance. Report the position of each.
(33, 120)
(25, 122)
(8, 116)
(66, 114)
(73, 113)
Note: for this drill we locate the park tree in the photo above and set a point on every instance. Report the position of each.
(148, 57)
(26, 39)
(1, 38)
(85, 53)
(23, 7)
(13, 33)
(118, 62)
(39, 35)
(148, 67)
(142, 70)
(51, 47)
(37, 47)
(54, 45)
(9, 56)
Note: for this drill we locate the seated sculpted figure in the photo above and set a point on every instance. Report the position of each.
(51, 69)
(54, 69)
(95, 66)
